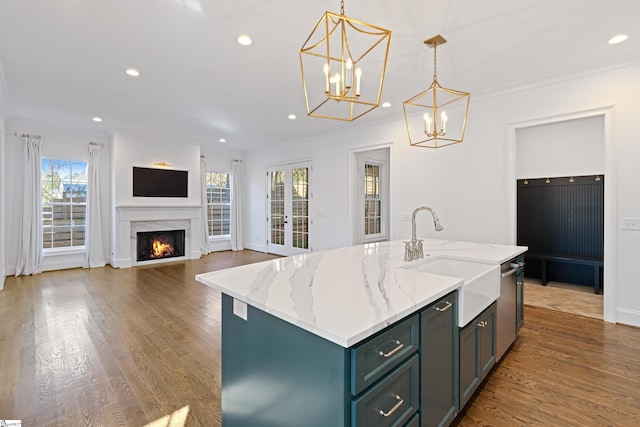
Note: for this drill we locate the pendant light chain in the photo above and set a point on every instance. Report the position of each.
(435, 55)
(342, 7)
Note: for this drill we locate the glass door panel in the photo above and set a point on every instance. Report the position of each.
(288, 207)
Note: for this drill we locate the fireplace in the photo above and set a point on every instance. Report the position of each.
(153, 245)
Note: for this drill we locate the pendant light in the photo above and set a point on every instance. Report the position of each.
(343, 62)
(436, 117)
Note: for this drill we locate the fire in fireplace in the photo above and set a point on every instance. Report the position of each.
(152, 245)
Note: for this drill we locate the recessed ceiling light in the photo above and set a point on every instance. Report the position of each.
(386, 104)
(97, 119)
(292, 116)
(222, 140)
(618, 39)
(132, 72)
(244, 40)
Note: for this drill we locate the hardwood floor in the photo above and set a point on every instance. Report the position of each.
(564, 297)
(564, 370)
(113, 347)
(110, 347)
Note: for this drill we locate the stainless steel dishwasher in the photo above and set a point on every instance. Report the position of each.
(509, 304)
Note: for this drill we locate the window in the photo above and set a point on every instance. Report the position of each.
(218, 203)
(372, 200)
(64, 203)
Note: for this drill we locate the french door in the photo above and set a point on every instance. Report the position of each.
(288, 207)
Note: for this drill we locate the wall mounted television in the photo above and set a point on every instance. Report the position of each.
(151, 182)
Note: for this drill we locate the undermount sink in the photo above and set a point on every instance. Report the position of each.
(481, 283)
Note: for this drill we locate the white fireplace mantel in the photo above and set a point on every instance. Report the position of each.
(133, 218)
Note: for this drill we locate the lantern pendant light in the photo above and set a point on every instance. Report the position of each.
(343, 62)
(436, 117)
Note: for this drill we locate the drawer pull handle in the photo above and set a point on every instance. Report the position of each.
(445, 308)
(395, 407)
(392, 352)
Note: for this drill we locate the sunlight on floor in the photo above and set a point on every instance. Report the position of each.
(177, 419)
(568, 298)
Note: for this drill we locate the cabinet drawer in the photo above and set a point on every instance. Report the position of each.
(392, 401)
(414, 422)
(372, 359)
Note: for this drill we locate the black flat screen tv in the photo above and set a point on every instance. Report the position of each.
(151, 182)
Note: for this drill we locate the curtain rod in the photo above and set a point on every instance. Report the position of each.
(235, 160)
(96, 143)
(26, 135)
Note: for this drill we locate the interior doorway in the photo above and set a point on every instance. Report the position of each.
(565, 157)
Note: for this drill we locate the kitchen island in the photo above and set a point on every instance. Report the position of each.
(324, 338)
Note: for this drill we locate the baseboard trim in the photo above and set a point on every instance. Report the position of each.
(257, 248)
(121, 263)
(628, 317)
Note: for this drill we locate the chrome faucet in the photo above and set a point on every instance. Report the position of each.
(414, 249)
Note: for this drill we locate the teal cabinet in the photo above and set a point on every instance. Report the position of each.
(477, 352)
(275, 374)
(414, 422)
(439, 361)
(391, 402)
(385, 381)
(377, 356)
(419, 371)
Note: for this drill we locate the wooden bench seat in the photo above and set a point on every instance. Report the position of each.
(593, 261)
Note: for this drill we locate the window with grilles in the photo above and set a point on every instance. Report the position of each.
(372, 200)
(218, 203)
(64, 203)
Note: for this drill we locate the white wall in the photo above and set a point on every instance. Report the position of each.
(566, 148)
(444, 179)
(3, 108)
(329, 189)
(3, 272)
(467, 183)
(145, 149)
(57, 143)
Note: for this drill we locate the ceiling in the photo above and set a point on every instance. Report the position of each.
(64, 61)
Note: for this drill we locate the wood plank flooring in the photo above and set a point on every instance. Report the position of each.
(110, 347)
(564, 297)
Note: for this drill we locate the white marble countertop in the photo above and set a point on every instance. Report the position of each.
(345, 295)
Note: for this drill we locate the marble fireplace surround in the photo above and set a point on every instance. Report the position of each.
(131, 219)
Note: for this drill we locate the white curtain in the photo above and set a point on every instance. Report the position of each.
(30, 244)
(94, 238)
(237, 237)
(203, 197)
